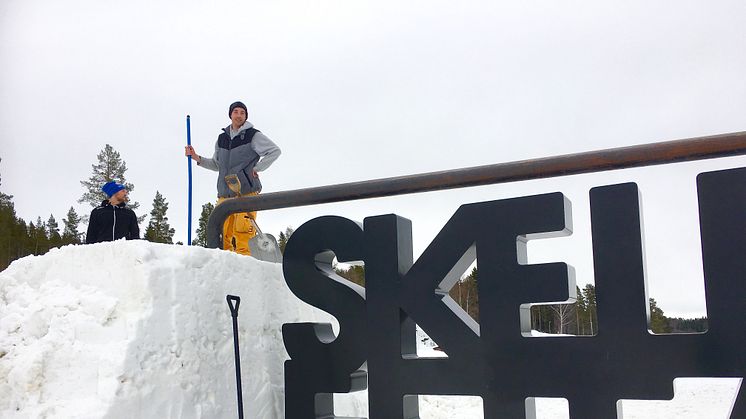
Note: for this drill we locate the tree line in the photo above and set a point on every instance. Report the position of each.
(579, 318)
(19, 238)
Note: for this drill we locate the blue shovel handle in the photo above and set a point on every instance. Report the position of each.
(189, 199)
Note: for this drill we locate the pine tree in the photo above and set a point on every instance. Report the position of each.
(284, 237)
(8, 230)
(282, 241)
(31, 243)
(110, 167)
(465, 294)
(581, 313)
(41, 239)
(14, 239)
(5, 200)
(658, 321)
(543, 319)
(589, 293)
(71, 235)
(201, 239)
(159, 231)
(53, 230)
(21, 239)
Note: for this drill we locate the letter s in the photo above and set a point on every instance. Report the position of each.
(321, 364)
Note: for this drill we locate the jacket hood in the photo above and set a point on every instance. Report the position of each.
(246, 125)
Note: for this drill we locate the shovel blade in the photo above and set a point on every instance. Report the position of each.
(264, 247)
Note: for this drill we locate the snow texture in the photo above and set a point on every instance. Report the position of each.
(143, 330)
(135, 329)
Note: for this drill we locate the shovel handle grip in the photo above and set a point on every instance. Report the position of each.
(256, 226)
(233, 299)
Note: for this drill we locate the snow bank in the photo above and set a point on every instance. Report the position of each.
(135, 329)
(141, 330)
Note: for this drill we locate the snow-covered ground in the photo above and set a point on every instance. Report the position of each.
(141, 330)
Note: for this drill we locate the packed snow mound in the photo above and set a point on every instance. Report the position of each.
(142, 330)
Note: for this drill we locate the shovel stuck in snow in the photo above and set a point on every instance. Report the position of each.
(263, 246)
(234, 313)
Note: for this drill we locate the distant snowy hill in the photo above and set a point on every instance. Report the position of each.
(143, 330)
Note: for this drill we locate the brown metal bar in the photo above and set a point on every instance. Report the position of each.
(699, 148)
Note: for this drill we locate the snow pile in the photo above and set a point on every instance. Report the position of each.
(135, 329)
(141, 330)
(696, 398)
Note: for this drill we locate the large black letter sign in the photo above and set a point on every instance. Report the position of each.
(496, 359)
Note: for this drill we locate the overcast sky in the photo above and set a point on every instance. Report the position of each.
(355, 90)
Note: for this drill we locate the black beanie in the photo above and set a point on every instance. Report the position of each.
(235, 105)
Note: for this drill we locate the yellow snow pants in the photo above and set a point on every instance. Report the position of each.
(238, 230)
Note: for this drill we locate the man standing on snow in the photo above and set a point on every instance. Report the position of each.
(112, 220)
(241, 151)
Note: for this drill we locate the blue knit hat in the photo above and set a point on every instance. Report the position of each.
(110, 188)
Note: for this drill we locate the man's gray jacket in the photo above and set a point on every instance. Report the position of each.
(240, 153)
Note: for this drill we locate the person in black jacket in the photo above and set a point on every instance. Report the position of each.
(112, 220)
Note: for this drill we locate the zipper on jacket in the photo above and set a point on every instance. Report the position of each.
(228, 166)
(114, 226)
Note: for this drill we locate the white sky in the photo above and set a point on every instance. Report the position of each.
(369, 89)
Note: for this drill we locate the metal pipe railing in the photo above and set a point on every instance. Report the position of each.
(699, 148)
